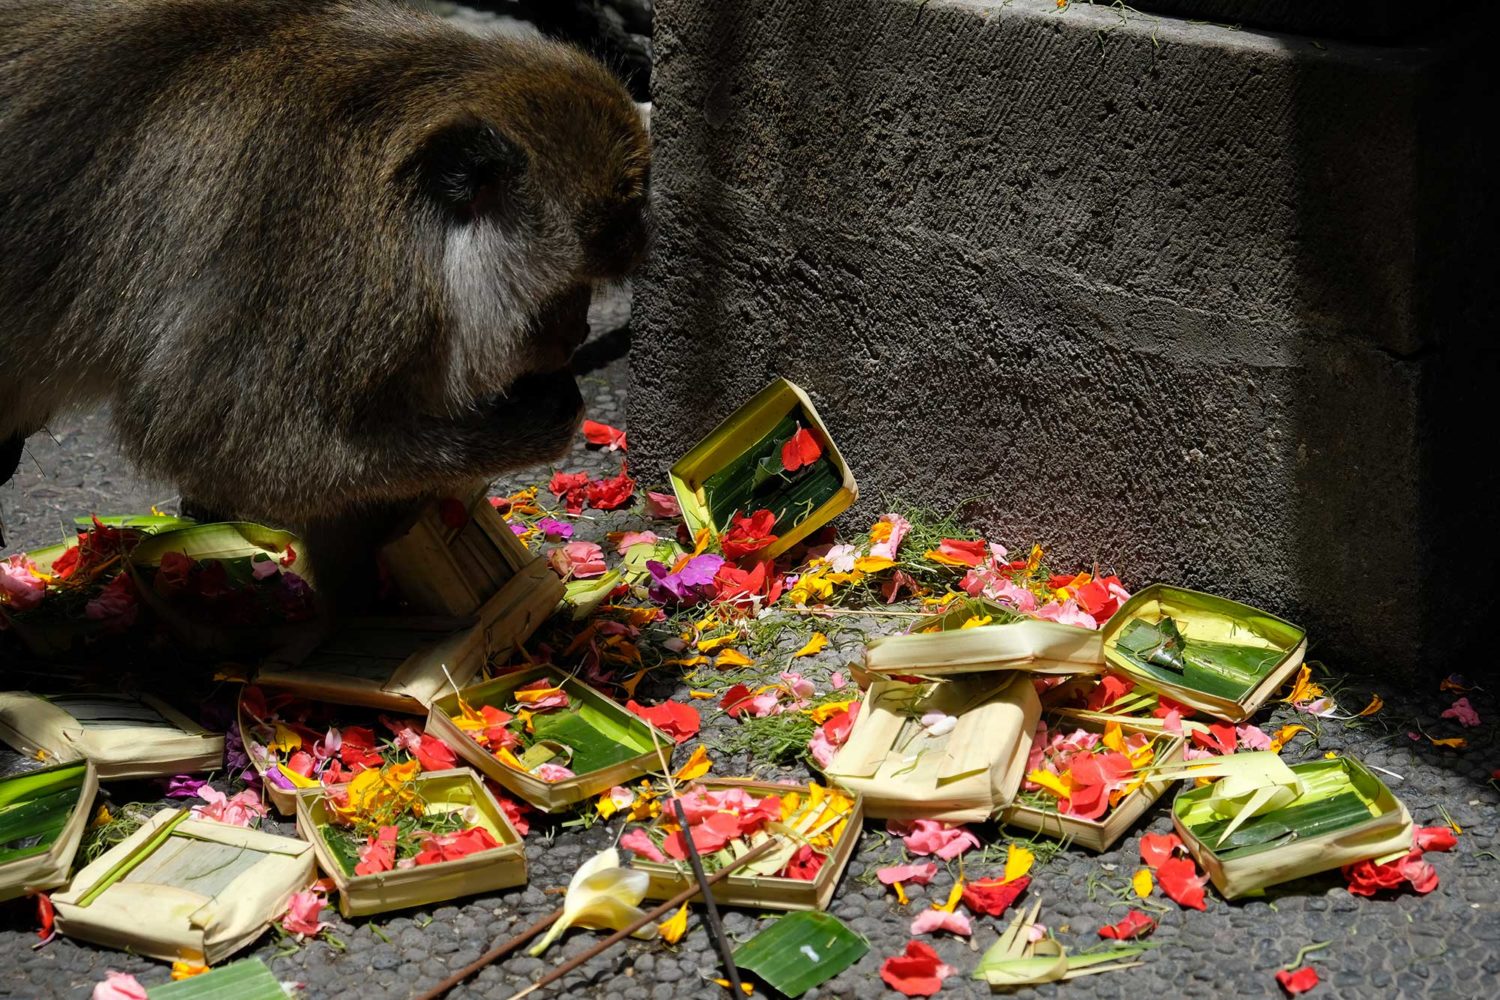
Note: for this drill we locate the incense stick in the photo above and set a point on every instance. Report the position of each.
(494, 954)
(754, 854)
(715, 927)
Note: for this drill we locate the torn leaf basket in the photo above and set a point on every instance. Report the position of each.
(938, 645)
(1212, 654)
(618, 744)
(441, 792)
(905, 771)
(457, 565)
(401, 665)
(126, 736)
(738, 469)
(181, 889)
(43, 814)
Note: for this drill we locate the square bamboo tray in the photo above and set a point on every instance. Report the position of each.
(444, 791)
(1387, 833)
(738, 433)
(399, 665)
(456, 571)
(49, 869)
(967, 776)
(763, 892)
(126, 736)
(1206, 617)
(181, 889)
(1039, 647)
(1101, 834)
(549, 796)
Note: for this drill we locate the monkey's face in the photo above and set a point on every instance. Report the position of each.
(541, 188)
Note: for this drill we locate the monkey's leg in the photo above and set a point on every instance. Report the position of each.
(344, 554)
(10, 460)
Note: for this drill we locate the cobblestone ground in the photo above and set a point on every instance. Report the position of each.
(1446, 944)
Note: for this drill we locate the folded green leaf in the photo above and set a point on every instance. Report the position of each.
(801, 951)
(248, 979)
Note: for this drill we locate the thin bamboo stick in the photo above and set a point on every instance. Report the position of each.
(494, 954)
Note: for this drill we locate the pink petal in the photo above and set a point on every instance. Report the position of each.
(909, 874)
(930, 921)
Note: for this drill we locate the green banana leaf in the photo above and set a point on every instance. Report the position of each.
(225, 541)
(756, 480)
(596, 738)
(248, 979)
(1334, 796)
(150, 524)
(801, 951)
(34, 808)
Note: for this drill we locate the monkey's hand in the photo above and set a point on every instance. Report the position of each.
(537, 419)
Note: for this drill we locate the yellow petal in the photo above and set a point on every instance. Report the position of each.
(285, 740)
(954, 895)
(187, 970)
(1375, 705)
(873, 564)
(1456, 742)
(672, 929)
(717, 642)
(814, 645)
(732, 658)
(1114, 738)
(1284, 736)
(700, 695)
(746, 987)
(630, 684)
(697, 765)
(1018, 861)
(1142, 883)
(535, 695)
(900, 893)
(976, 621)
(828, 710)
(1059, 786)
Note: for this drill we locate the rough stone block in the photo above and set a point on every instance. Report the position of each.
(1196, 303)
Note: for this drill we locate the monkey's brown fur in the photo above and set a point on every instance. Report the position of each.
(319, 255)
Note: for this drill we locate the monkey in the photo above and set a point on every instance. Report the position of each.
(324, 259)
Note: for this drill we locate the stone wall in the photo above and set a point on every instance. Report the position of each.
(1199, 304)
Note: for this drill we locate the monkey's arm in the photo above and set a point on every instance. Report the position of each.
(534, 422)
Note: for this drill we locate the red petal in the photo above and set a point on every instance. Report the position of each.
(992, 896)
(1158, 847)
(1434, 838)
(802, 449)
(1135, 925)
(1179, 879)
(915, 973)
(453, 513)
(1300, 981)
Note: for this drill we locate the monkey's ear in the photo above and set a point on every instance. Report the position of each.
(470, 170)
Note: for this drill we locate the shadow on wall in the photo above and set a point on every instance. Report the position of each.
(1397, 366)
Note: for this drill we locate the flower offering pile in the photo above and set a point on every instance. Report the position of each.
(815, 827)
(1213, 654)
(294, 743)
(1091, 785)
(394, 837)
(772, 454)
(1264, 822)
(548, 737)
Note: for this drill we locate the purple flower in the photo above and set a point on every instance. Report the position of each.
(554, 530)
(517, 528)
(689, 585)
(184, 786)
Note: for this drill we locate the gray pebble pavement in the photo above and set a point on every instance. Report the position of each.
(1446, 944)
